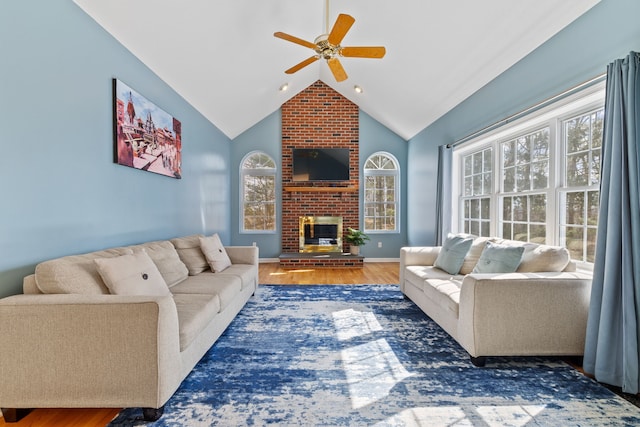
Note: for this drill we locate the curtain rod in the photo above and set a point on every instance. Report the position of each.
(527, 110)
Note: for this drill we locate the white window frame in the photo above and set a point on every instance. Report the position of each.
(553, 115)
(257, 172)
(486, 194)
(565, 188)
(383, 172)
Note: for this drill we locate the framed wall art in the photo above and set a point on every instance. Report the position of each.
(146, 137)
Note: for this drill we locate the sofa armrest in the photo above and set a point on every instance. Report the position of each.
(416, 255)
(88, 350)
(419, 255)
(243, 254)
(524, 313)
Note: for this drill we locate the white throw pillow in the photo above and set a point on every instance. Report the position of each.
(134, 274)
(215, 253)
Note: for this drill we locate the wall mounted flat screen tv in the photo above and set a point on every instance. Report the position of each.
(320, 164)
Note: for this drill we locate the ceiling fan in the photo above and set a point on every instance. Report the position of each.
(327, 46)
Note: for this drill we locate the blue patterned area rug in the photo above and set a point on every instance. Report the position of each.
(362, 355)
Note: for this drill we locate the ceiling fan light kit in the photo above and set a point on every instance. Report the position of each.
(327, 47)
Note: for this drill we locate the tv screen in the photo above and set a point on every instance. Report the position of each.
(320, 164)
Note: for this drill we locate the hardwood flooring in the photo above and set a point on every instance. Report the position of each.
(373, 273)
(270, 273)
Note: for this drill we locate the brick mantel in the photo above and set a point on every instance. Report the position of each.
(318, 117)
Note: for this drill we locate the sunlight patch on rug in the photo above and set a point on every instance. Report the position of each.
(362, 355)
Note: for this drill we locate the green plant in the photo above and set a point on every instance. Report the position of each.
(355, 237)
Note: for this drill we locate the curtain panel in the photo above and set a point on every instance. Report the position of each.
(613, 327)
(443, 195)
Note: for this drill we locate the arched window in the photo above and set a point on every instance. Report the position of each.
(381, 193)
(258, 193)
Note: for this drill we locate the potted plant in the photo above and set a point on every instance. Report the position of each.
(355, 238)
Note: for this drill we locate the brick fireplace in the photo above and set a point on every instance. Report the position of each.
(318, 117)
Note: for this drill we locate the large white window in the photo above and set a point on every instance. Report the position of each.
(536, 179)
(381, 193)
(582, 141)
(477, 172)
(525, 180)
(258, 193)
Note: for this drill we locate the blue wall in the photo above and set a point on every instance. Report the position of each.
(61, 193)
(267, 136)
(579, 52)
(376, 137)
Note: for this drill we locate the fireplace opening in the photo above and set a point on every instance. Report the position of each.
(320, 234)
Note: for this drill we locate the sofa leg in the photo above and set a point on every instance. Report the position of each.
(13, 415)
(152, 414)
(478, 361)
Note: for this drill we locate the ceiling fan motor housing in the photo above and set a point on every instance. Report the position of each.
(325, 49)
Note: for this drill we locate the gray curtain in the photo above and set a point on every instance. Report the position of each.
(611, 349)
(443, 195)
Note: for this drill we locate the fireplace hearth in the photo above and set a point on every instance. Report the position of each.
(320, 234)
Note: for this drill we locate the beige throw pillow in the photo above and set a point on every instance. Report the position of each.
(472, 257)
(166, 258)
(544, 258)
(215, 253)
(134, 274)
(75, 274)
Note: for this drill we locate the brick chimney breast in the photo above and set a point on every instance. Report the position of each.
(318, 117)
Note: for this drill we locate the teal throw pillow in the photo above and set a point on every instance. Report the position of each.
(452, 254)
(497, 258)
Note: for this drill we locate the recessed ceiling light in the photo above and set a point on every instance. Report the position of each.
(358, 89)
(284, 87)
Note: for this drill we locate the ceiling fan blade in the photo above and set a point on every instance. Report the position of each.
(301, 65)
(340, 28)
(293, 39)
(364, 51)
(337, 70)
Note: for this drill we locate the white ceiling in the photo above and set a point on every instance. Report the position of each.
(222, 58)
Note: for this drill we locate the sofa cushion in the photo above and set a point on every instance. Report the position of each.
(497, 258)
(133, 274)
(248, 273)
(472, 257)
(195, 311)
(166, 258)
(445, 293)
(423, 272)
(452, 253)
(209, 283)
(538, 258)
(189, 251)
(74, 274)
(215, 253)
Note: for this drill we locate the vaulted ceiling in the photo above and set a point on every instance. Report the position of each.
(222, 57)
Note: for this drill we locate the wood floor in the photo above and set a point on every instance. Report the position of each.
(270, 273)
(373, 273)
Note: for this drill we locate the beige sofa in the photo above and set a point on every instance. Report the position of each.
(68, 342)
(540, 309)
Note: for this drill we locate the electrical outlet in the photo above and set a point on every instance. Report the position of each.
(379, 244)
